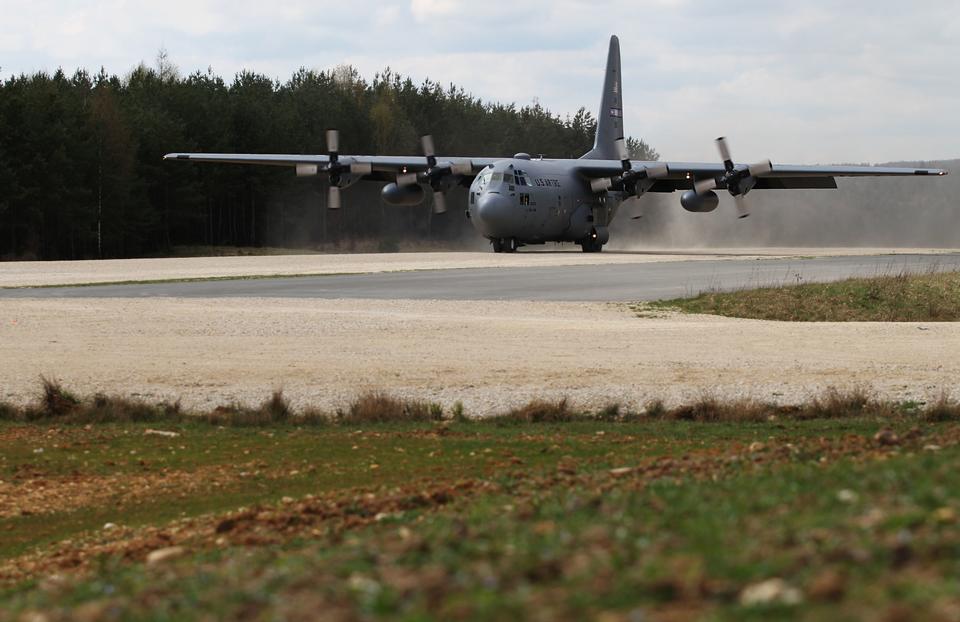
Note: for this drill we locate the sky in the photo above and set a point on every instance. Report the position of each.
(798, 82)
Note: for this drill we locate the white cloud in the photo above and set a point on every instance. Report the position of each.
(431, 9)
(816, 82)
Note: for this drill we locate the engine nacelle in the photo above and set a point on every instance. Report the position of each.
(693, 202)
(403, 195)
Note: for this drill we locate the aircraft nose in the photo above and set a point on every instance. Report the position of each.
(493, 214)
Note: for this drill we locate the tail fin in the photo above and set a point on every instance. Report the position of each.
(610, 117)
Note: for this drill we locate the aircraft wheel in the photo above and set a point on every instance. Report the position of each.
(591, 246)
(497, 245)
(512, 245)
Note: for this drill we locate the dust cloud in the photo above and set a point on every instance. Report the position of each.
(881, 212)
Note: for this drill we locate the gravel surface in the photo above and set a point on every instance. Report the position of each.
(36, 273)
(489, 355)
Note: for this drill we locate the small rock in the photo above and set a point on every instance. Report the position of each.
(932, 448)
(945, 515)
(621, 471)
(109, 526)
(54, 583)
(361, 583)
(872, 518)
(165, 433)
(163, 555)
(886, 436)
(772, 591)
(756, 446)
(847, 496)
(287, 500)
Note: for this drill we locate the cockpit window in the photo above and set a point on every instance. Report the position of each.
(487, 179)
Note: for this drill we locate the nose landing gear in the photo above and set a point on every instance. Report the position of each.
(591, 245)
(594, 242)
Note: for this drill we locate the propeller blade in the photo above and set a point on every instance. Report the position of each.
(333, 141)
(462, 167)
(621, 146)
(427, 142)
(333, 197)
(658, 171)
(601, 185)
(439, 202)
(743, 208)
(361, 168)
(705, 185)
(760, 168)
(407, 179)
(724, 149)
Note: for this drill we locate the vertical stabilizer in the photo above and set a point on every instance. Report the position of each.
(610, 116)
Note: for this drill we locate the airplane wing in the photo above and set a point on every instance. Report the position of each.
(682, 175)
(381, 168)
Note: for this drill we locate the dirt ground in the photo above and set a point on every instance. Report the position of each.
(38, 273)
(489, 355)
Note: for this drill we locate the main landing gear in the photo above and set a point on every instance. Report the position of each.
(505, 245)
(591, 245)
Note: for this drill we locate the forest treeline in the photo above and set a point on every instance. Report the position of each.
(82, 176)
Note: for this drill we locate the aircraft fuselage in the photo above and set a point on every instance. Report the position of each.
(521, 201)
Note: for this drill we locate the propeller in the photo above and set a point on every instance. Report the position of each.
(335, 169)
(437, 175)
(737, 180)
(439, 200)
(634, 181)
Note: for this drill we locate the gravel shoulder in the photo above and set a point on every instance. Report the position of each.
(489, 355)
(49, 273)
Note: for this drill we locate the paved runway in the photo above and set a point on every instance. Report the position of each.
(615, 282)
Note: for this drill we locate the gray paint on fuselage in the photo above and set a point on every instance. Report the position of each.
(560, 202)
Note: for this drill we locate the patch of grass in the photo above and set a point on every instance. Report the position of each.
(681, 529)
(945, 408)
(930, 297)
(710, 409)
(113, 409)
(836, 403)
(540, 411)
(377, 407)
(55, 401)
(833, 403)
(56, 404)
(275, 411)
(457, 413)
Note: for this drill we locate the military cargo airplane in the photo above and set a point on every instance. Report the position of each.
(524, 200)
